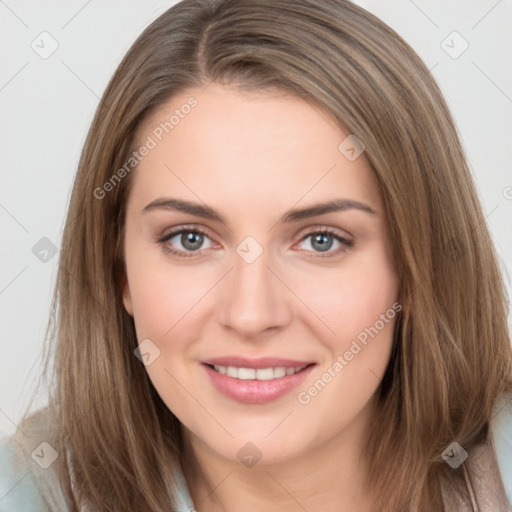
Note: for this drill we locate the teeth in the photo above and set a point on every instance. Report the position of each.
(279, 372)
(265, 373)
(257, 374)
(231, 371)
(246, 373)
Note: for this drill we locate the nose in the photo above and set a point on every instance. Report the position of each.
(254, 298)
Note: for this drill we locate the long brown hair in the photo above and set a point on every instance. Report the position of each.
(451, 360)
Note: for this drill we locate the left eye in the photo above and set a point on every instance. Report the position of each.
(323, 241)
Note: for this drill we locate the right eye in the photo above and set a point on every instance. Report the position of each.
(185, 240)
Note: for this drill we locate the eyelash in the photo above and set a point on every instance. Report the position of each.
(346, 244)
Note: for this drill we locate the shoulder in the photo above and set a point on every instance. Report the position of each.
(18, 490)
(501, 428)
(28, 470)
(28, 479)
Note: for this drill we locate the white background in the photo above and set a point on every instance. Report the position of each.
(47, 106)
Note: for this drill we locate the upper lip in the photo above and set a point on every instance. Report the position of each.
(262, 362)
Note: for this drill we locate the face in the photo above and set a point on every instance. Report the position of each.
(259, 273)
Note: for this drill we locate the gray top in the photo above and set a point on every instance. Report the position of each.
(19, 490)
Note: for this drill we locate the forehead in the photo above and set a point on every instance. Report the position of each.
(222, 144)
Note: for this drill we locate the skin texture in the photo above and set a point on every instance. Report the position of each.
(251, 157)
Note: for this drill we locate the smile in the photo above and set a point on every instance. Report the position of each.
(256, 385)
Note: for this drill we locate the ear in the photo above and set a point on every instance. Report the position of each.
(127, 298)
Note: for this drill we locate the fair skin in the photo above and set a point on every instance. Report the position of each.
(251, 157)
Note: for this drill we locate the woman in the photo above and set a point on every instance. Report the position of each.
(276, 287)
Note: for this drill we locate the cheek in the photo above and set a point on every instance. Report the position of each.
(361, 308)
(359, 305)
(163, 298)
(364, 298)
(162, 294)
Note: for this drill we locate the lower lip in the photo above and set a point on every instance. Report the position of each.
(254, 391)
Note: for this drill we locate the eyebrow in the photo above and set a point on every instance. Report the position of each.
(200, 210)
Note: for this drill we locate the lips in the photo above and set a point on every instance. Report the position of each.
(249, 381)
